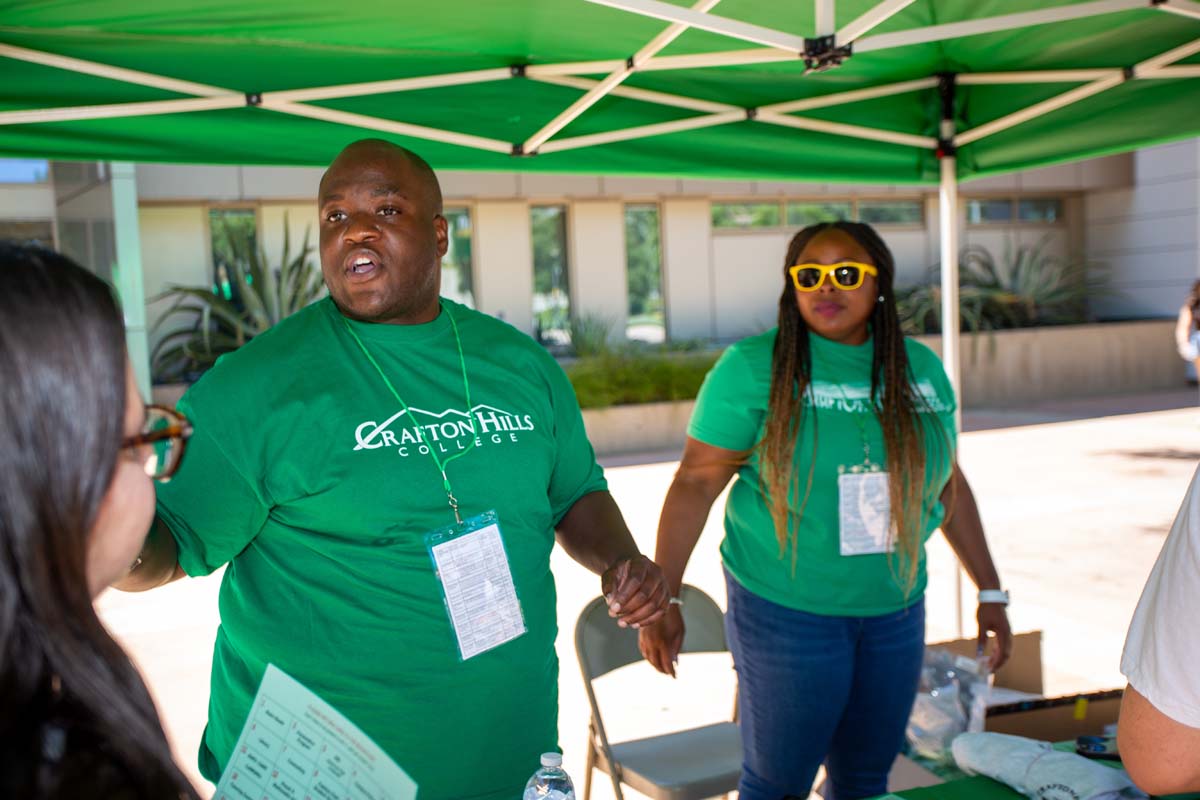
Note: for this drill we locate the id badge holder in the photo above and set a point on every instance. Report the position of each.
(864, 511)
(472, 569)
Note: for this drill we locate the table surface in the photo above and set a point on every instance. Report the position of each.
(979, 787)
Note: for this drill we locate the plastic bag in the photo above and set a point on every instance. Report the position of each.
(952, 699)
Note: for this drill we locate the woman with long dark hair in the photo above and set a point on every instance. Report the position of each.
(78, 452)
(842, 435)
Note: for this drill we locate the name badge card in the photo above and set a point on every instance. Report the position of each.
(477, 584)
(864, 513)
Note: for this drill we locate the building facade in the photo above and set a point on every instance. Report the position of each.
(651, 258)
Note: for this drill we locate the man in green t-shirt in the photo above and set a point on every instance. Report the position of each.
(333, 460)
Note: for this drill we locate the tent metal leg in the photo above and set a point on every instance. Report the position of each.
(127, 272)
(948, 233)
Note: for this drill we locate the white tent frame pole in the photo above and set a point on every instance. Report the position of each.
(870, 20)
(643, 131)
(1170, 73)
(386, 125)
(722, 113)
(1184, 8)
(883, 41)
(645, 95)
(842, 129)
(593, 95)
(825, 15)
(1075, 75)
(1039, 76)
(1172, 55)
(1076, 94)
(951, 336)
(709, 22)
(1003, 22)
(113, 73)
(711, 106)
(396, 85)
(1038, 109)
(852, 96)
(117, 110)
(722, 58)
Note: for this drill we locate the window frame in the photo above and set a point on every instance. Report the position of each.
(1014, 199)
(783, 200)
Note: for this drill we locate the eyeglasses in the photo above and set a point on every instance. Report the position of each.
(161, 442)
(846, 275)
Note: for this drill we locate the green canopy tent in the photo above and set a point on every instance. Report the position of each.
(878, 91)
(895, 91)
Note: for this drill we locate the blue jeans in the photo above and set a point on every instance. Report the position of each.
(815, 689)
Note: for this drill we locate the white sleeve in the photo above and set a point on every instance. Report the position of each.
(1162, 651)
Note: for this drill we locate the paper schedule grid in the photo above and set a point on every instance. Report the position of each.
(295, 746)
(480, 594)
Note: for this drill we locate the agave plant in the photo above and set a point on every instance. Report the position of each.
(1031, 287)
(265, 294)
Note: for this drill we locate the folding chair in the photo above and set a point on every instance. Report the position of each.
(684, 765)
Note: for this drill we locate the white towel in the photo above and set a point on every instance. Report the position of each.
(1035, 770)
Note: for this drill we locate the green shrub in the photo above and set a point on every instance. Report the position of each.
(630, 376)
(589, 334)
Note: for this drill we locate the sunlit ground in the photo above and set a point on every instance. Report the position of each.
(1075, 512)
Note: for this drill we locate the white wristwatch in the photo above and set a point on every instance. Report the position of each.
(994, 596)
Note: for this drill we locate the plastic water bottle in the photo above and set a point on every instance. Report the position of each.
(550, 782)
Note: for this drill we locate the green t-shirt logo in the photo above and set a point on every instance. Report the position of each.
(448, 431)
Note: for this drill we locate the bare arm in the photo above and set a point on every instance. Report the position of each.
(594, 533)
(1183, 328)
(158, 562)
(1159, 753)
(964, 531)
(703, 472)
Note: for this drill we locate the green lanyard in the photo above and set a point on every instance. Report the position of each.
(441, 465)
(862, 427)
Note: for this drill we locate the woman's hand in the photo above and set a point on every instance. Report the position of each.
(993, 618)
(660, 643)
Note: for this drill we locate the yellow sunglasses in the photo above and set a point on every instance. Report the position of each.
(846, 275)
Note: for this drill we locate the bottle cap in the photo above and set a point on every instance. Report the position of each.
(551, 759)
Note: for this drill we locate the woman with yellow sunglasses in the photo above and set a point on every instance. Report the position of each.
(841, 434)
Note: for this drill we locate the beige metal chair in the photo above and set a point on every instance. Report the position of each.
(685, 765)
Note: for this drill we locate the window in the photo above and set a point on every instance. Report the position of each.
(551, 291)
(745, 215)
(1040, 209)
(457, 282)
(984, 212)
(1008, 210)
(24, 170)
(891, 212)
(643, 274)
(809, 213)
(233, 235)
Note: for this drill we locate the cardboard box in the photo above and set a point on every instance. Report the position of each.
(1053, 719)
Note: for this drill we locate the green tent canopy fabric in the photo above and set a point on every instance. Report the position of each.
(469, 83)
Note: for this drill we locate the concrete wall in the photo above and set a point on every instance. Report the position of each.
(504, 262)
(1010, 368)
(1004, 369)
(1148, 234)
(19, 201)
(300, 217)
(596, 261)
(175, 252)
(688, 281)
